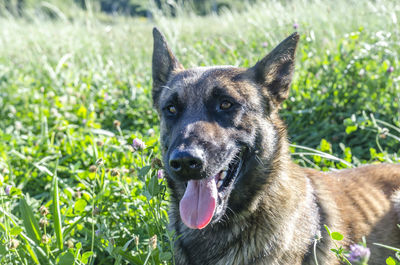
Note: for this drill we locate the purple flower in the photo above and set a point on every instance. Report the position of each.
(390, 69)
(265, 44)
(7, 190)
(359, 254)
(295, 25)
(160, 174)
(138, 144)
(97, 232)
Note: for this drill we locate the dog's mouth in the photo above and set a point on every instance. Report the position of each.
(202, 197)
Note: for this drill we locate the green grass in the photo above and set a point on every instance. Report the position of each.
(64, 83)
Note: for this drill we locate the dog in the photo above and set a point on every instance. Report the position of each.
(236, 197)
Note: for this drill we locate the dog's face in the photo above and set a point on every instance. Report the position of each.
(212, 121)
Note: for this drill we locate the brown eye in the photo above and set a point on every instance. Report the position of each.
(172, 109)
(225, 105)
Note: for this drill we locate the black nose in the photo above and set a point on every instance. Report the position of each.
(187, 163)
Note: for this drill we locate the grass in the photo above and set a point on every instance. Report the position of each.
(74, 93)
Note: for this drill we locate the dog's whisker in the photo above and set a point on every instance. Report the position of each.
(259, 161)
(167, 87)
(232, 211)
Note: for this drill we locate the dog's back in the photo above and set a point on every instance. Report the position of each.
(361, 202)
(368, 200)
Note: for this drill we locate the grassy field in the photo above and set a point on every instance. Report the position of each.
(75, 93)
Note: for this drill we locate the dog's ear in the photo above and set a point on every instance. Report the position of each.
(164, 64)
(274, 72)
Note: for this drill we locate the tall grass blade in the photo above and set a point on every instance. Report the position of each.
(56, 211)
(320, 153)
(388, 247)
(29, 221)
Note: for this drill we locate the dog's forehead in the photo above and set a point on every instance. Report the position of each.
(200, 82)
(196, 74)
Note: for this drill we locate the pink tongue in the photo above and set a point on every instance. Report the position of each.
(198, 203)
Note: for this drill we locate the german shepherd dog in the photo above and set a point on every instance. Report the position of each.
(236, 196)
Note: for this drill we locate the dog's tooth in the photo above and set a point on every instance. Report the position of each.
(223, 174)
(219, 184)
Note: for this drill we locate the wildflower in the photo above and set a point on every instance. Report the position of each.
(153, 242)
(265, 44)
(156, 163)
(14, 243)
(92, 168)
(78, 194)
(100, 162)
(114, 172)
(359, 254)
(384, 132)
(70, 243)
(295, 25)
(18, 125)
(117, 124)
(138, 144)
(7, 190)
(150, 132)
(51, 94)
(97, 232)
(43, 222)
(45, 239)
(96, 210)
(160, 174)
(390, 69)
(43, 210)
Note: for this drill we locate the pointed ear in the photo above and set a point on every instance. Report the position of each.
(164, 64)
(274, 72)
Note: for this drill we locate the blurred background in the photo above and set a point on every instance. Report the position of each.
(140, 8)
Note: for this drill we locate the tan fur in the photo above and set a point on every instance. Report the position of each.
(276, 208)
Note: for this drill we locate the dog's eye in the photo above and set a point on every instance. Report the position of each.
(172, 109)
(225, 105)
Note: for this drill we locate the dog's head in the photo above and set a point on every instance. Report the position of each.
(217, 124)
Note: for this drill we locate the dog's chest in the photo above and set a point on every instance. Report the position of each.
(236, 245)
